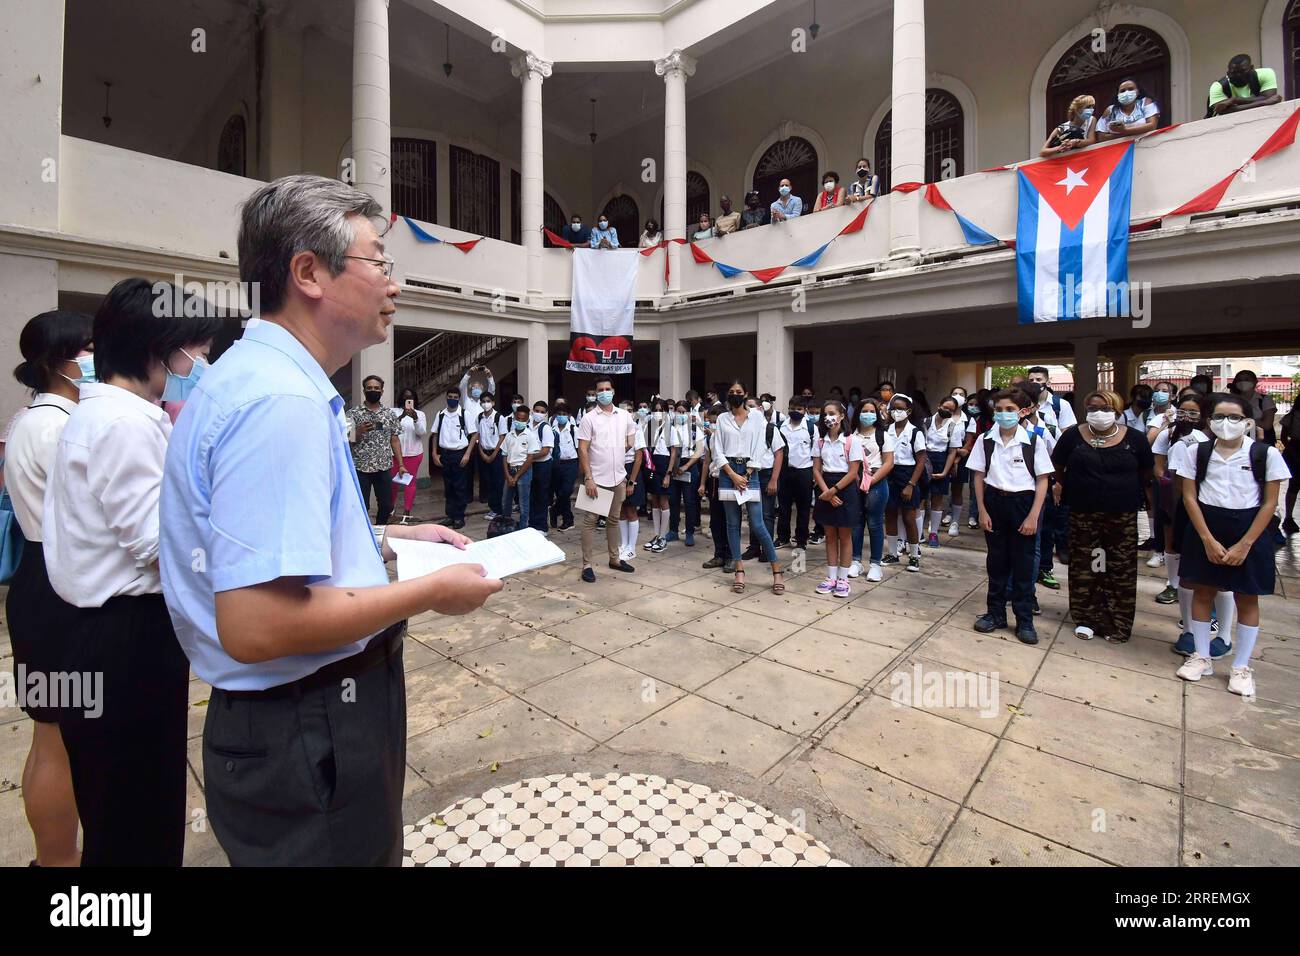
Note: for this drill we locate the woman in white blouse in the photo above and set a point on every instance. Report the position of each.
(51, 345)
(101, 547)
(1132, 114)
(738, 440)
(414, 428)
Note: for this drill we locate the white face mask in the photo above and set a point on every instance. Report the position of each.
(1101, 421)
(1230, 431)
(831, 420)
(829, 187)
(899, 414)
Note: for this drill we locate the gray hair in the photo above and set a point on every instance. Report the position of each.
(294, 214)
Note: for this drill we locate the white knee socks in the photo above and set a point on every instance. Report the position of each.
(1201, 636)
(1172, 561)
(630, 530)
(936, 516)
(1225, 609)
(1246, 637)
(1185, 608)
(956, 515)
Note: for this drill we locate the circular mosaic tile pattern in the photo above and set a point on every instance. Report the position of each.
(611, 820)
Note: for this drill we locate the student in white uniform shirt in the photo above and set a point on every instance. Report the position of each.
(543, 467)
(1172, 448)
(414, 428)
(452, 441)
(771, 458)
(1010, 465)
(491, 427)
(907, 484)
(796, 485)
(944, 439)
(837, 464)
(878, 461)
(1231, 502)
(101, 533)
(471, 397)
(519, 449)
(564, 473)
(634, 463)
(56, 361)
(660, 436)
(1051, 409)
(692, 444)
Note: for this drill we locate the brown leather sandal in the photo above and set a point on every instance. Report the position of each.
(778, 587)
(738, 586)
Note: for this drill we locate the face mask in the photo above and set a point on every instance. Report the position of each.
(785, 190)
(958, 397)
(812, 417)
(1086, 114)
(681, 418)
(1142, 404)
(642, 412)
(604, 224)
(945, 413)
(767, 406)
(706, 425)
(451, 402)
(576, 226)
(1128, 96)
(829, 187)
(86, 370)
(519, 426)
(885, 393)
(591, 399)
(487, 406)
(1245, 388)
(735, 401)
(1231, 431)
(796, 417)
(1160, 398)
(561, 420)
(658, 417)
(538, 417)
(475, 392)
(868, 418)
(972, 409)
(1006, 419)
(371, 395)
(899, 414)
(1102, 420)
(605, 397)
(863, 173)
(515, 406)
(178, 387)
(832, 421)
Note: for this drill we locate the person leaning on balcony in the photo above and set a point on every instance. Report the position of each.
(832, 193)
(1132, 114)
(703, 229)
(604, 236)
(1244, 87)
(788, 206)
(755, 214)
(651, 237)
(866, 185)
(577, 234)
(1078, 130)
(729, 221)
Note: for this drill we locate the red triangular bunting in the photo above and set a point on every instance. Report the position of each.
(700, 255)
(1206, 200)
(935, 198)
(467, 245)
(907, 187)
(1282, 138)
(767, 275)
(557, 240)
(858, 222)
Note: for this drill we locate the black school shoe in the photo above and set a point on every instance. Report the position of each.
(713, 562)
(622, 566)
(1026, 634)
(987, 625)
(588, 575)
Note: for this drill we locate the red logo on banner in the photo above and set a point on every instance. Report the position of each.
(612, 349)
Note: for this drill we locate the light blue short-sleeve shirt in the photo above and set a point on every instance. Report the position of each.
(259, 484)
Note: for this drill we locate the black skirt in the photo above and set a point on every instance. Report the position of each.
(847, 514)
(637, 496)
(1256, 575)
(39, 624)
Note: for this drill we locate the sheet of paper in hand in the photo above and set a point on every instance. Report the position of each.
(752, 493)
(501, 557)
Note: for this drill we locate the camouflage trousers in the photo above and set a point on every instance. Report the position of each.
(1103, 572)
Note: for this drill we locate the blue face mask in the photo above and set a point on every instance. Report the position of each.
(813, 416)
(520, 426)
(561, 420)
(868, 418)
(785, 190)
(1161, 398)
(178, 387)
(1007, 419)
(681, 418)
(475, 392)
(86, 367)
(605, 397)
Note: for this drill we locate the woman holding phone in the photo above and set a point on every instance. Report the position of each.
(414, 429)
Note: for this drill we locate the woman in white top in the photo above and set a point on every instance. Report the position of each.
(1230, 500)
(660, 441)
(55, 348)
(692, 443)
(740, 436)
(837, 464)
(1132, 114)
(907, 483)
(101, 547)
(878, 461)
(945, 437)
(414, 428)
(651, 236)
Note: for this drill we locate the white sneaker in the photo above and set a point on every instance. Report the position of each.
(855, 569)
(1157, 560)
(1242, 682)
(947, 520)
(1084, 633)
(874, 573)
(629, 554)
(953, 530)
(650, 545)
(1196, 667)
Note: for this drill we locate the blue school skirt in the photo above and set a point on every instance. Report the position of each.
(938, 486)
(1256, 575)
(898, 479)
(636, 498)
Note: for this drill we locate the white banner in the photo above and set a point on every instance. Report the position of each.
(603, 306)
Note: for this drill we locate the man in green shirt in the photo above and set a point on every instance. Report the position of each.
(1243, 88)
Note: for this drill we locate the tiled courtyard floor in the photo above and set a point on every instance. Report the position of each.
(1078, 753)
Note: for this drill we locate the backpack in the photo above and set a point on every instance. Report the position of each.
(437, 424)
(1029, 458)
(770, 429)
(12, 539)
(1226, 86)
(1258, 468)
(554, 449)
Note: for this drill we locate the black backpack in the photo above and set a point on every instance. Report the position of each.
(1226, 86)
(1258, 468)
(1029, 458)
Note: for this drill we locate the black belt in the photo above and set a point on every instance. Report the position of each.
(1009, 494)
(381, 649)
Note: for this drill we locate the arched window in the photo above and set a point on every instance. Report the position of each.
(475, 193)
(698, 200)
(232, 152)
(945, 146)
(625, 218)
(1291, 44)
(415, 178)
(1129, 50)
(794, 159)
(552, 215)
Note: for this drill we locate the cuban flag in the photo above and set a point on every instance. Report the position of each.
(1072, 235)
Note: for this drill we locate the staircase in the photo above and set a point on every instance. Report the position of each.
(443, 360)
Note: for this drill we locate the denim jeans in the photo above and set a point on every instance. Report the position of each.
(873, 517)
(769, 508)
(754, 509)
(522, 490)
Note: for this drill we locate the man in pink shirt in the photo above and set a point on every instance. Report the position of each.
(604, 436)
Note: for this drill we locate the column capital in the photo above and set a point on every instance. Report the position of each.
(677, 63)
(529, 64)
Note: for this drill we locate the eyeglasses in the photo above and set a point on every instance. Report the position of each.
(1235, 419)
(386, 263)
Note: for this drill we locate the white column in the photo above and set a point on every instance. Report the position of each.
(371, 148)
(775, 356)
(674, 361)
(675, 68)
(531, 70)
(533, 365)
(1085, 371)
(907, 156)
